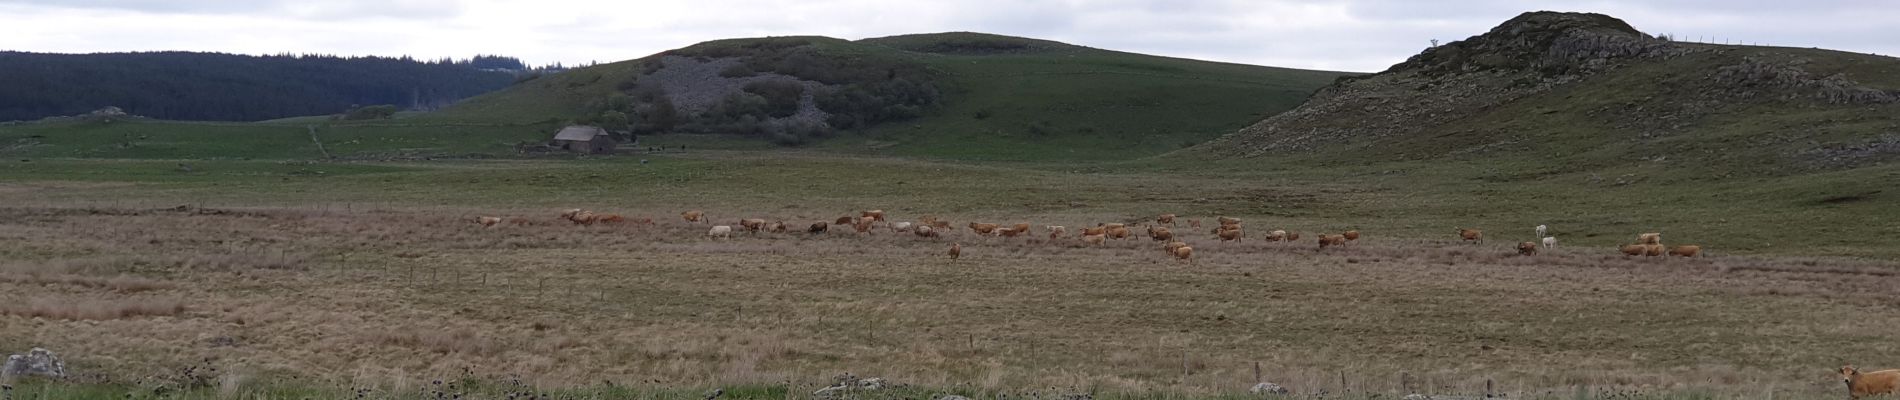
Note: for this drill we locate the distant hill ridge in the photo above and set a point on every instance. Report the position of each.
(231, 87)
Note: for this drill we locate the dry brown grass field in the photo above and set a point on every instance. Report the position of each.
(373, 285)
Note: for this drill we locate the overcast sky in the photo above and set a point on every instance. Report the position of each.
(1351, 35)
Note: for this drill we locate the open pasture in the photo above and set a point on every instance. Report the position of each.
(377, 276)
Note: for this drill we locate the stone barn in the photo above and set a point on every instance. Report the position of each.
(584, 139)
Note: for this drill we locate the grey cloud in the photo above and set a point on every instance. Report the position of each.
(328, 9)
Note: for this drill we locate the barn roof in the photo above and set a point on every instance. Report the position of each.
(579, 132)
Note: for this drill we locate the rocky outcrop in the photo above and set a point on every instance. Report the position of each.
(1527, 55)
(35, 363)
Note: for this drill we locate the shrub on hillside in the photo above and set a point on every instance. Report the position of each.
(781, 96)
(385, 111)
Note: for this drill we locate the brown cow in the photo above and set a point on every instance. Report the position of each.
(1094, 239)
(1326, 240)
(1160, 234)
(694, 216)
(1184, 253)
(874, 215)
(1165, 219)
(1351, 236)
(1471, 235)
(1225, 221)
(1687, 250)
(1869, 384)
(1228, 234)
(1527, 248)
(1020, 228)
(925, 231)
(1194, 223)
(844, 220)
(982, 228)
(752, 224)
(1119, 233)
(956, 250)
(1093, 231)
(1633, 249)
(1169, 248)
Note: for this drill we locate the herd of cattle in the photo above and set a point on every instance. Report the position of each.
(1229, 229)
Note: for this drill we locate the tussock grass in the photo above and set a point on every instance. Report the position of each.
(87, 309)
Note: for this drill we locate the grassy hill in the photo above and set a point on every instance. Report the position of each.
(1554, 94)
(1001, 97)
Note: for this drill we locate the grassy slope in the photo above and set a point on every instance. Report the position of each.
(1053, 101)
(1067, 102)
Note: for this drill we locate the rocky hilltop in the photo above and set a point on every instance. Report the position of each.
(1551, 83)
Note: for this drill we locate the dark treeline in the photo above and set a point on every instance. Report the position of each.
(228, 87)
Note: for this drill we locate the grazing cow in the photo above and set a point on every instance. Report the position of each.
(1184, 253)
(694, 216)
(1633, 249)
(1351, 236)
(1194, 223)
(580, 217)
(874, 215)
(1119, 233)
(719, 232)
(982, 229)
(1471, 235)
(1169, 248)
(900, 227)
(1093, 231)
(1654, 250)
(1055, 231)
(752, 224)
(1871, 383)
(570, 213)
(1165, 219)
(819, 227)
(956, 250)
(1326, 240)
(1020, 228)
(1649, 238)
(863, 226)
(1228, 234)
(925, 231)
(777, 227)
(1276, 235)
(1008, 232)
(845, 220)
(1160, 234)
(1687, 250)
(488, 222)
(1095, 239)
(612, 219)
(1550, 242)
(1527, 248)
(1292, 236)
(941, 225)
